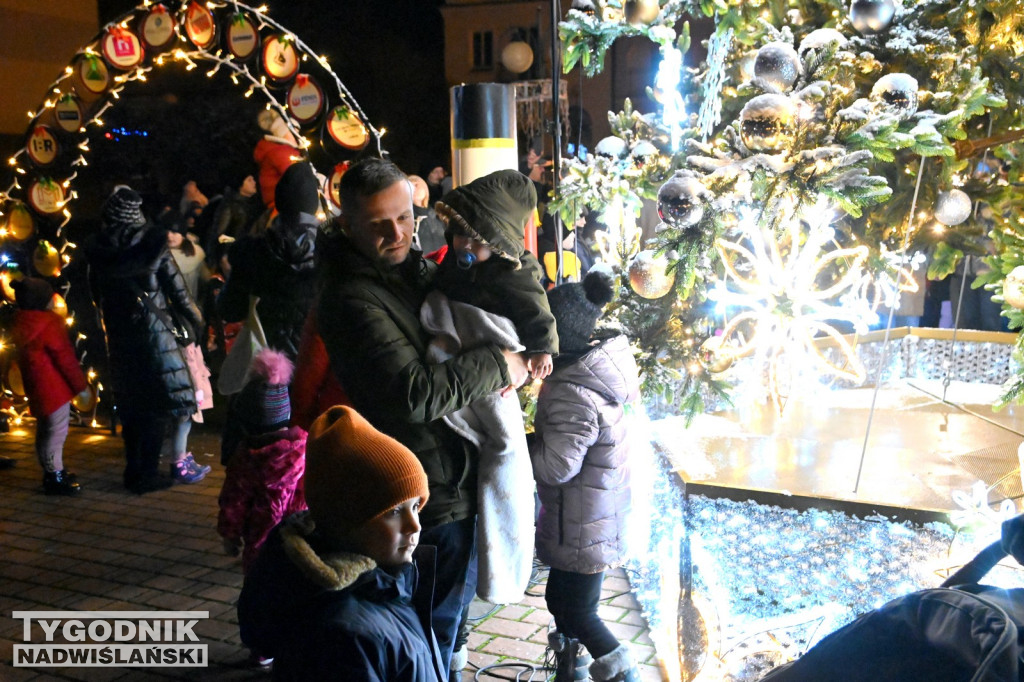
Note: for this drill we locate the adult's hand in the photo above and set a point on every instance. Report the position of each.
(518, 370)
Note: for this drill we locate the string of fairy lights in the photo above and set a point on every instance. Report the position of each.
(20, 216)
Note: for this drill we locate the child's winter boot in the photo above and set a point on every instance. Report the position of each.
(616, 666)
(60, 483)
(571, 659)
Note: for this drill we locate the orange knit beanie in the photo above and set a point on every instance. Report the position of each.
(355, 473)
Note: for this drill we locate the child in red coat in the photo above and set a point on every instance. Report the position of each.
(263, 481)
(51, 375)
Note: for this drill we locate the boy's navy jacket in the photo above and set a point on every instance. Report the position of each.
(338, 615)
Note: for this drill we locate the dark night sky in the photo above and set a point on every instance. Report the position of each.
(388, 53)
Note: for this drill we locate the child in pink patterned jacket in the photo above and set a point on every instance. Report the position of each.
(263, 482)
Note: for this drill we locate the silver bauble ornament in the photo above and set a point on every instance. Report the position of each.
(952, 207)
(820, 37)
(640, 12)
(612, 147)
(585, 6)
(778, 65)
(680, 201)
(898, 93)
(1013, 288)
(642, 152)
(648, 275)
(767, 123)
(872, 16)
(657, 133)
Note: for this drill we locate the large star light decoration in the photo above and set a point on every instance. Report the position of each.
(885, 288)
(788, 287)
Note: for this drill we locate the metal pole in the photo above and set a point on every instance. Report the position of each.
(556, 158)
(884, 359)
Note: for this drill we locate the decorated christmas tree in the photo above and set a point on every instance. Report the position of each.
(820, 155)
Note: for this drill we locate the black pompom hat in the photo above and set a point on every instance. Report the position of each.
(577, 307)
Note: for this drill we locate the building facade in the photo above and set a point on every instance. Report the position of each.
(477, 33)
(37, 40)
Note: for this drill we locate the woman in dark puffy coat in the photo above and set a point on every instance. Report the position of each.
(277, 266)
(144, 301)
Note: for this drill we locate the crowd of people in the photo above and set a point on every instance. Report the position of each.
(378, 472)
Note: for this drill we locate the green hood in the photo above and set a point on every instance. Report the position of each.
(493, 209)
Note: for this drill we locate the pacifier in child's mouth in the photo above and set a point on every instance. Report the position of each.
(466, 260)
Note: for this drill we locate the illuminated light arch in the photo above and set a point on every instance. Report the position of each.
(36, 205)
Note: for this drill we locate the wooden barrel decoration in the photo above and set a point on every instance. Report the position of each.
(67, 113)
(46, 259)
(346, 130)
(91, 75)
(59, 305)
(334, 184)
(200, 26)
(158, 29)
(280, 58)
(13, 381)
(19, 224)
(42, 146)
(8, 273)
(241, 37)
(305, 100)
(122, 49)
(46, 196)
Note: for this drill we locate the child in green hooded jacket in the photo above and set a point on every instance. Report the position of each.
(487, 264)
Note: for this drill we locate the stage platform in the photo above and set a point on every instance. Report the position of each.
(920, 449)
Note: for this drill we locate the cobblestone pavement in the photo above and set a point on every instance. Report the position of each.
(110, 550)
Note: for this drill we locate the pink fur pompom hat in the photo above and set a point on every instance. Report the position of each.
(262, 406)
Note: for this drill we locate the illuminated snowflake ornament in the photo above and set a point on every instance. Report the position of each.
(885, 288)
(783, 293)
(974, 510)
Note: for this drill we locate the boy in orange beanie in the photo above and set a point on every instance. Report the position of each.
(331, 595)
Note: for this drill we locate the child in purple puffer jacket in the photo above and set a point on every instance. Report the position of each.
(580, 458)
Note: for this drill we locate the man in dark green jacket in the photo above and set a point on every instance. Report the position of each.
(373, 288)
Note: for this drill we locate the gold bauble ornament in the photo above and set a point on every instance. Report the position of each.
(46, 259)
(714, 356)
(640, 12)
(1013, 288)
(19, 225)
(86, 400)
(649, 276)
(611, 14)
(14, 383)
(768, 123)
(60, 306)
